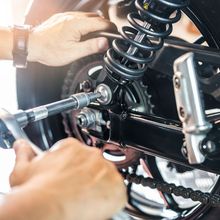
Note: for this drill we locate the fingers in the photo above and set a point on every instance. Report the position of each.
(96, 45)
(23, 151)
(89, 47)
(24, 155)
(81, 14)
(92, 24)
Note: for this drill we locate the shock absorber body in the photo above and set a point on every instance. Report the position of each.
(128, 58)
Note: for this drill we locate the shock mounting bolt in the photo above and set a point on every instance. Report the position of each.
(86, 86)
(209, 147)
(177, 82)
(184, 150)
(182, 112)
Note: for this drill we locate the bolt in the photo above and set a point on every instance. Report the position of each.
(184, 150)
(86, 86)
(182, 112)
(82, 120)
(106, 94)
(209, 147)
(124, 115)
(177, 82)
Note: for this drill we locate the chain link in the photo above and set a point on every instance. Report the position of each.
(169, 188)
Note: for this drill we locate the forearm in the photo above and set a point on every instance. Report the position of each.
(27, 203)
(6, 43)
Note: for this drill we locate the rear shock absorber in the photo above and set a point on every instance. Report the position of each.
(128, 58)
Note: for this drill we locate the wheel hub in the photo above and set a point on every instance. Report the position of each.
(92, 124)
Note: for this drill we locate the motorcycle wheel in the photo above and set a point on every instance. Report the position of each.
(36, 79)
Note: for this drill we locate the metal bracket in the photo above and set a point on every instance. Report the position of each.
(190, 107)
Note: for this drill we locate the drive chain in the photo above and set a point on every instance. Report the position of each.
(169, 188)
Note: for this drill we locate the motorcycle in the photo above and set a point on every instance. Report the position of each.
(160, 126)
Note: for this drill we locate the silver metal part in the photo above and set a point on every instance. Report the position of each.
(22, 118)
(12, 125)
(82, 100)
(91, 119)
(106, 94)
(86, 118)
(40, 113)
(189, 106)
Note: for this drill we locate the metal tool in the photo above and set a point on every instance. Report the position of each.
(11, 124)
(74, 102)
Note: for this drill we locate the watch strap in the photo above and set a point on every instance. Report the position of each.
(20, 45)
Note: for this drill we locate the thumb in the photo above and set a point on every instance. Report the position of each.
(92, 46)
(24, 155)
(23, 151)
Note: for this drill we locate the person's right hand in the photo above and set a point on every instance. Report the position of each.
(80, 183)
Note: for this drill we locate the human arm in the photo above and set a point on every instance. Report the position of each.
(6, 43)
(57, 41)
(72, 182)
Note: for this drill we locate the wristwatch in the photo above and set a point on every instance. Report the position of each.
(20, 45)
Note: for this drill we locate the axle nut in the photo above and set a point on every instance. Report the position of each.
(106, 94)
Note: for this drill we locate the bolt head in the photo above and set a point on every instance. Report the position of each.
(177, 82)
(106, 94)
(82, 121)
(184, 150)
(124, 115)
(182, 112)
(209, 147)
(86, 86)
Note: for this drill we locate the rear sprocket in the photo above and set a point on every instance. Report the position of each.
(82, 76)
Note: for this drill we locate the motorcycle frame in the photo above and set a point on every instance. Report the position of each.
(157, 136)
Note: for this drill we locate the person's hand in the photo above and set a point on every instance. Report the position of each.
(57, 41)
(73, 177)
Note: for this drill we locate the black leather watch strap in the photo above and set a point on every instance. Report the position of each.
(20, 45)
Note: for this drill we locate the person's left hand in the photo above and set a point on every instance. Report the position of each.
(57, 41)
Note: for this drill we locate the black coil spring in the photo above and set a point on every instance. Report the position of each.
(128, 58)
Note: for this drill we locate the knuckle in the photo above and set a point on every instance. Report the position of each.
(21, 143)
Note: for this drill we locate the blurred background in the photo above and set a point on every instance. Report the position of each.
(11, 12)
